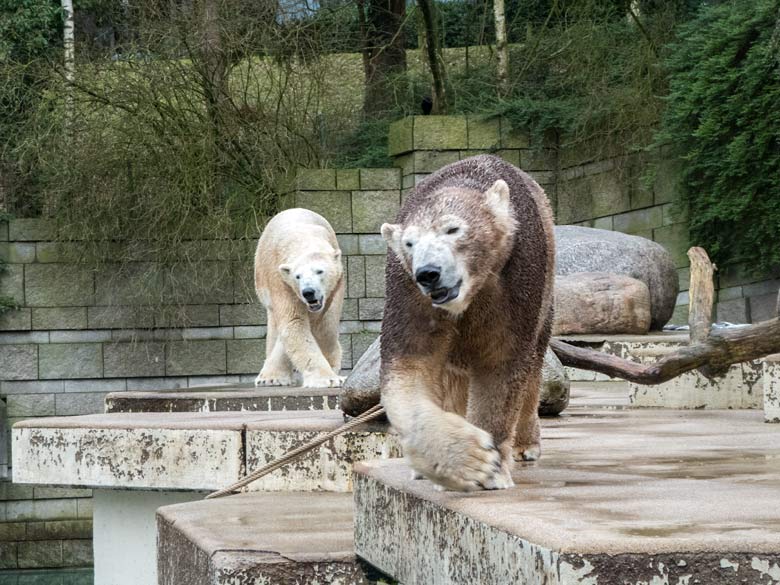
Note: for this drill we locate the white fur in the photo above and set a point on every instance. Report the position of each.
(297, 251)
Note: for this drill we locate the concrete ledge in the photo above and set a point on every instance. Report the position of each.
(239, 397)
(618, 498)
(259, 538)
(190, 451)
(162, 451)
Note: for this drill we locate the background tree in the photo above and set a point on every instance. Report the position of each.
(433, 56)
(502, 48)
(384, 52)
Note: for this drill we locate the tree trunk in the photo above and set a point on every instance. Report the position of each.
(502, 48)
(702, 295)
(363, 29)
(69, 58)
(385, 47)
(213, 62)
(434, 57)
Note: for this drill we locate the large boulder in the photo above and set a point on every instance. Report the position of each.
(599, 302)
(360, 390)
(582, 249)
(554, 395)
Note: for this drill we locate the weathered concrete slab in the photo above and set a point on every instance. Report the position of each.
(772, 389)
(328, 468)
(191, 451)
(619, 497)
(299, 538)
(131, 451)
(239, 397)
(740, 388)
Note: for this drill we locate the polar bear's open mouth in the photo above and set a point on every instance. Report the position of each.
(442, 295)
(314, 306)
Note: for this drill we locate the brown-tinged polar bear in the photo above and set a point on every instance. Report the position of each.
(467, 321)
(300, 281)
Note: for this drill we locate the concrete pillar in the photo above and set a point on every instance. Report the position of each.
(125, 534)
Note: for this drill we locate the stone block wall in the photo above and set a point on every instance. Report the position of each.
(421, 145)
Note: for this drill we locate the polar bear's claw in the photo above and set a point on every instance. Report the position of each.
(323, 381)
(273, 380)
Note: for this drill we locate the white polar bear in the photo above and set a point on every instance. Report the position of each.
(300, 281)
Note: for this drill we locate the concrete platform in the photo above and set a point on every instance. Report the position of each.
(183, 451)
(236, 397)
(305, 539)
(619, 497)
(740, 388)
(137, 462)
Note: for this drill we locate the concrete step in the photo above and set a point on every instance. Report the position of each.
(197, 452)
(225, 398)
(306, 539)
(619, 497)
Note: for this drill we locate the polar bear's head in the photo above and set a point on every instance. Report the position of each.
(451, 245)
(314, 277)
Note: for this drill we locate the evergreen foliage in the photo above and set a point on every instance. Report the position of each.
(723, 120)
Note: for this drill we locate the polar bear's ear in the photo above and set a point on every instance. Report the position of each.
(337, 255)
(498, 198)
(391, 232)
(285, 269)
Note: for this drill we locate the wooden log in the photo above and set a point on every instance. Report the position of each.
(701, 295)
(715, 354)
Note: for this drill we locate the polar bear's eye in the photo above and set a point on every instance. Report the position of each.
(453, 230)
(297, 277)
(408, 244)
(319, 272)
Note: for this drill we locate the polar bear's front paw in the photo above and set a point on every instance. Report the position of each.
(273, 379)
(457, 455)
(318, 381)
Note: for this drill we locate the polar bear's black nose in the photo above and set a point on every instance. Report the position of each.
(309, 294)
(428, 275)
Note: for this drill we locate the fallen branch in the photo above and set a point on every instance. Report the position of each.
(715, 355)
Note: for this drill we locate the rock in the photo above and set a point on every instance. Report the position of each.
(554, 397)
(582, 249)
(600, 302)
(361, 388)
